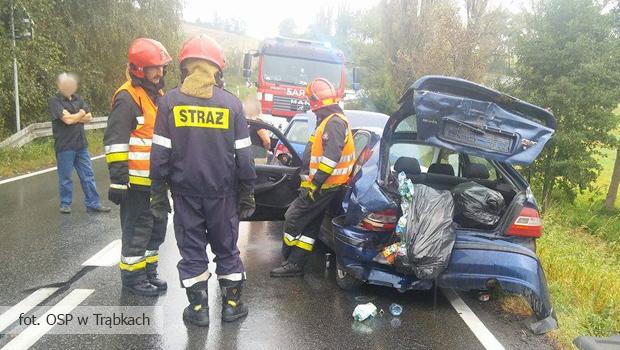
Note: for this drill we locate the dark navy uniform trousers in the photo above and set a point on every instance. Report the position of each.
(199, 221)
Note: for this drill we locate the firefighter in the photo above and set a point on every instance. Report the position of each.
(128, 137)
(327, 163)
(201, 149)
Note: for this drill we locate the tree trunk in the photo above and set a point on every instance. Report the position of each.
(548, 183)
(613, 186)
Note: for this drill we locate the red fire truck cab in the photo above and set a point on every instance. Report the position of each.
(286, 66)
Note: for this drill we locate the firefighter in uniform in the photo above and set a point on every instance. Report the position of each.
(128, 137)
(201, 149)
(327, 163)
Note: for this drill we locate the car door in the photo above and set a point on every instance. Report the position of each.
(277, 180)
(469, 118)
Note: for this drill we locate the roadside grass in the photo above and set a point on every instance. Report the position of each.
(580, 253)
(583, 277)
(39, 154)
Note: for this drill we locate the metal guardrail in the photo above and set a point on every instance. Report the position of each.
(36, 130)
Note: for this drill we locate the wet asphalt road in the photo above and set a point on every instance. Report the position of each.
(40, 247)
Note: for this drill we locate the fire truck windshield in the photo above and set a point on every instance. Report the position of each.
(299, 71)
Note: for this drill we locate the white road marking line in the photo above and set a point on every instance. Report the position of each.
(20, 177)
(12, 314)
(481, 332)
(33, 333)
(110, 255)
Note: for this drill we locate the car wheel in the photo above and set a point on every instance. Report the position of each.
(345, 281)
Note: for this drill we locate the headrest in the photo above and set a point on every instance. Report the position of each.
(440, 168)
(476, 171)
(409, 165)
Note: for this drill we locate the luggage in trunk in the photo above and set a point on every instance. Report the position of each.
(426, 231)
(477, 206)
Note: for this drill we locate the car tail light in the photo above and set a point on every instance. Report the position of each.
(281, 149)
(527, 224)
(384, 220)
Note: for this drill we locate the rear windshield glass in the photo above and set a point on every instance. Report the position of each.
(408, 124)
(423, 153)
(298, 132)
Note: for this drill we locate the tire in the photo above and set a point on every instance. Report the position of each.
(345, 281)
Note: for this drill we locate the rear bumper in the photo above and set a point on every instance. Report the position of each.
(475, 263)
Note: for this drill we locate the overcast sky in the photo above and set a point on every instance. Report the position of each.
(263, 17)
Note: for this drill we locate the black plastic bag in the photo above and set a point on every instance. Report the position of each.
(430, 233)
(476, 205)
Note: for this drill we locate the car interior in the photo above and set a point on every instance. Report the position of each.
(447, 169)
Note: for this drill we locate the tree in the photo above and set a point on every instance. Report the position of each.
(86, 37)
(287, 27)
(568, 60)
(398, 41)
(612, 193)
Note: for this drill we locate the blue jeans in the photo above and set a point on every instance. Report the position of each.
(79, 159)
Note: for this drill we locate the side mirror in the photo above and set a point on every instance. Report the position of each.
(356, 78)
(247, 65)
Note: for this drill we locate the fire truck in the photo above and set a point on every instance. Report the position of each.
(286, 66)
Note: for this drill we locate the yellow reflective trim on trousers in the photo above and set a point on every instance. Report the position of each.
(304, 246)
(117, 157)
(232, 303)
(288, 242)
(137, 180)
(325, 168)
(152, 259)
(133, 267)
(297, 243)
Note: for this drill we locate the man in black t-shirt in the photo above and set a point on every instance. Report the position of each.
(69, 114)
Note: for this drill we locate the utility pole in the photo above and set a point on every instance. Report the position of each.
(15, 76)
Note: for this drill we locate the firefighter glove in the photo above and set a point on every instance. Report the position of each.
(118, 193)
(312, 191)
(247, 204)
(160, 204)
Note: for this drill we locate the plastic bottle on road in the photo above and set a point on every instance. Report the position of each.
(364, 311)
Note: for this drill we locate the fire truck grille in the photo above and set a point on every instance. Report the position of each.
(284, 103)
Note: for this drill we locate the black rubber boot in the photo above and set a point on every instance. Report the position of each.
(197, 312)
(232, 306)
(288, 269)
(153, 277)
(137, 283)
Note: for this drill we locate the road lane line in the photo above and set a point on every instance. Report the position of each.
(33, 333)
(108, 256)
(12, 314)
(481, 332)
(20, 177)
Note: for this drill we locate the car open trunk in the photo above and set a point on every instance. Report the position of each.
(466, 120)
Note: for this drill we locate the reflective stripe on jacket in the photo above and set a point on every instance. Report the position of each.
(137, 152)
(337, 169)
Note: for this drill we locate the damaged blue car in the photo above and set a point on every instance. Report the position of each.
(446, 133)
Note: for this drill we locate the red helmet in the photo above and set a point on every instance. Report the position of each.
(321, 93)
(203, 47)
(144, 53)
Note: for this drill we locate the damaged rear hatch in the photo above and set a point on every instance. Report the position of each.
(470, 118)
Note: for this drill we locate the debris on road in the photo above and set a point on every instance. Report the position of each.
(396, 309)
(484, 297)
(364, 311)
